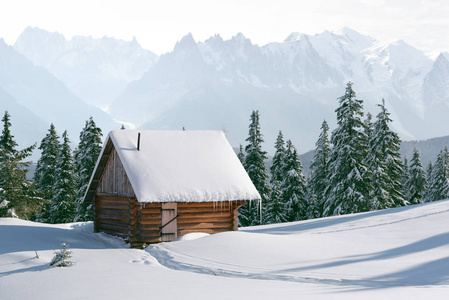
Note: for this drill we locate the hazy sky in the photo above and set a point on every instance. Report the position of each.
(158, 25)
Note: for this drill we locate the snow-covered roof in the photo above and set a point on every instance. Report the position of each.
(182, 166)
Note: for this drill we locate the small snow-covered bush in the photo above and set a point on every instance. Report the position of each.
(61, 258)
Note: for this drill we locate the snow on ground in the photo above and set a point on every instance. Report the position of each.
(393, 254)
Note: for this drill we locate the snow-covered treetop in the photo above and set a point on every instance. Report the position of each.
(182, 166)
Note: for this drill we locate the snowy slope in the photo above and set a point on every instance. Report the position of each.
(400, 253)
(96, 70)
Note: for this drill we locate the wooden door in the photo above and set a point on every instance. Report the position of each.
(169, 222)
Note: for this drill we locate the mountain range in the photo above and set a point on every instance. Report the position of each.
(216, 84)
(295, 86)
(35, 98)
(96, 70)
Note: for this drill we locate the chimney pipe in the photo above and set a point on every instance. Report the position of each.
(138, 141)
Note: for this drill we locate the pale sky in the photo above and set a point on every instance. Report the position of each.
(158, 25)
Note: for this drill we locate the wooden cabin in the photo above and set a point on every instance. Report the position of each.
(154, 186)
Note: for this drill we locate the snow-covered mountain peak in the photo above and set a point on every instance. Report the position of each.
(40, 46)
(444, 54)
(187, 42)
(185, 53)
(401, 57)
(443, 58)
(96, 70)
(134, 42)
(214, 41)
(353, 34)
(37, 33)
(294, 36)
(358, 41)
(239, 37)
(345, 38)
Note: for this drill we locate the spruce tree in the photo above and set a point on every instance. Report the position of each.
(416, 186)
(385, 163)
(278, 159)
(86, 156)
(369, 126)
(439, 181)
(319, 171)
(429, 170)
(349, 184)
(63, 202)
(314, 206)
(276, 209)
(294, 186)
(15, 189)
(44, 176)
(250, 214)
(62, 257)
(405, 178)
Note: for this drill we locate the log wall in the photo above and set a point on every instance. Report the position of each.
(148, 224)
(208, 217)
(113, 215)
(140, 223)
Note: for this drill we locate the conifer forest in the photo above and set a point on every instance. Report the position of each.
(356, 167)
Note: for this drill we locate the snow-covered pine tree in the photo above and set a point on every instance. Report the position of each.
(15, 189)
(294, 185)
(250, 214)
(416, 186)
(44, 176)
(63, 202)
(86, 156)
(276, 209)
(313, 209)
(349, 184)
(241, 154)
(384, 162)
(369, 126)
(429, 171)
(62, 257)
(405, 178)
(439, 181)
(278, 159)
(319, 171)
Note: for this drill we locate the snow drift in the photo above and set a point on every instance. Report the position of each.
(390, 254)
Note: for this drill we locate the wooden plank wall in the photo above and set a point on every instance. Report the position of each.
(208, 217)
(114, 180)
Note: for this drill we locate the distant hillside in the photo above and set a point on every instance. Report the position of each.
(429, 149)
